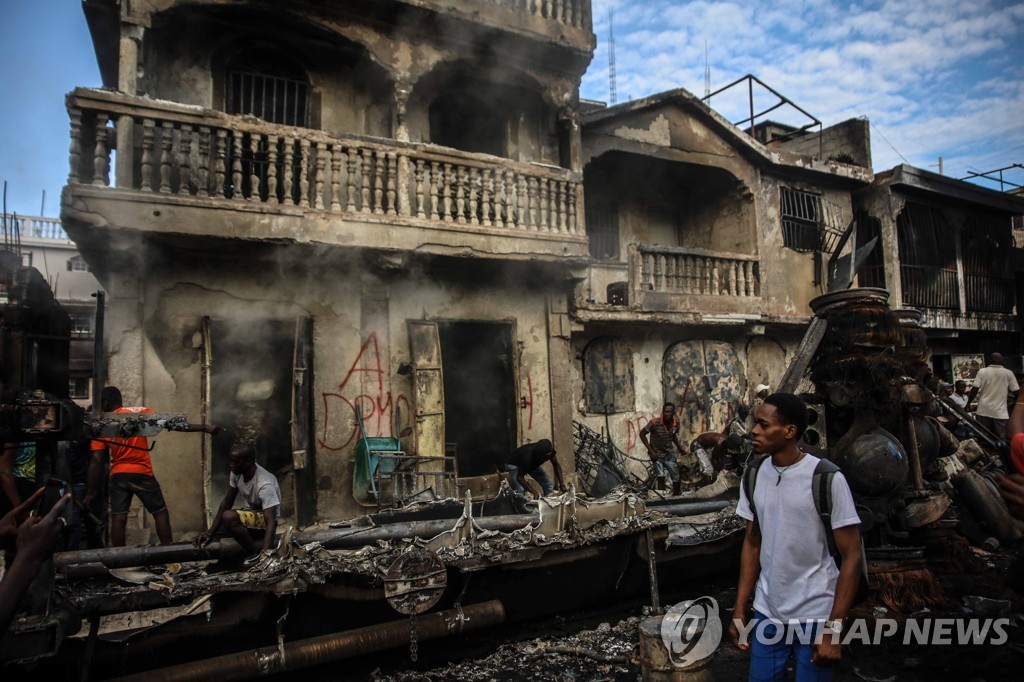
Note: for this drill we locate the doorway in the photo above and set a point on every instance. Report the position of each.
(480, 409)
(253, 396)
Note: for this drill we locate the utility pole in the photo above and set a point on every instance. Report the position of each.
(611, 54)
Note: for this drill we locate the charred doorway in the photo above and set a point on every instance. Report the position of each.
(257, 390)
(480, 411)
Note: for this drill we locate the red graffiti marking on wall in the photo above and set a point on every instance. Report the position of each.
(634, 425)
(376, 408)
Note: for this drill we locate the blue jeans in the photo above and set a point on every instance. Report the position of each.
(768, 660)
(667, 466)
(537, 474)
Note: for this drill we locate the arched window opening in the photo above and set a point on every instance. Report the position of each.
(464, 121)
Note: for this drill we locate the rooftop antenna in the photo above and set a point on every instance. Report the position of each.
(707, 71)
(611, 55)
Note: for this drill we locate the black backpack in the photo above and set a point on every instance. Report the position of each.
(821, 491)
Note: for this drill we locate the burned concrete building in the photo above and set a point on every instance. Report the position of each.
(706, 248)
(318, 219)
(322, 223)
(947, 249)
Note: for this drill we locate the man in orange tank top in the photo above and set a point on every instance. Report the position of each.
(131, 473)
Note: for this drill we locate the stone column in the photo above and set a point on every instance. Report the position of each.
(127, 82)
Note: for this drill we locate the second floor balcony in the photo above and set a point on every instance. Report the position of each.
(677, 283)
(357, 191)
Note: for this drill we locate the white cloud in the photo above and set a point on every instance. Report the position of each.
(939, 77)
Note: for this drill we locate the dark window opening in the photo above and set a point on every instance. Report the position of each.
(463, 121)
(928, 273)
(608, 376)
(77, 264)
(603, 229)
(872, 273)
(801, 219)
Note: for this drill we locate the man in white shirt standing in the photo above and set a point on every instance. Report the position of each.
(262, 496)
(785, 553)
(993, 386)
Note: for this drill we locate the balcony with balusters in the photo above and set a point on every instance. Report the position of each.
(196, 171)
(686, 280)
(567, 21)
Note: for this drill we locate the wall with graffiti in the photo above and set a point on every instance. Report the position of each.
(706, 378)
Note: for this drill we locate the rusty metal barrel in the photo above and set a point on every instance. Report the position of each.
(657, 662)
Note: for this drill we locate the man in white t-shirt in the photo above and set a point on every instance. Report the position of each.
(785, 554)
(993, 386)
(262, 496)
(959, 394)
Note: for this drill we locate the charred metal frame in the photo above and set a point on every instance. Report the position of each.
(750, 79)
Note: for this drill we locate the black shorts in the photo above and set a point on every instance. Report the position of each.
(143, 486)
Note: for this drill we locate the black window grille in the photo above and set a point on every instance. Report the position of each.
(988, 276)
(801, 216)
(928, 273)
(272, 87)
(272, 98)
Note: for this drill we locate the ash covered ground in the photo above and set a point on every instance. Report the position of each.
(602, 644)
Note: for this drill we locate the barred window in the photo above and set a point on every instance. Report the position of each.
(801, 219)
(268, 85)
(78, 264)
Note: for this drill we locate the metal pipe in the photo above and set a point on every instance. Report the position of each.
(335, 538)
(120, 557)
(691, 508)
(290, 656)
(356, 537)
(652, 572)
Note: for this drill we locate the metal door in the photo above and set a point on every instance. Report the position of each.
(704, 379)
(427, 387)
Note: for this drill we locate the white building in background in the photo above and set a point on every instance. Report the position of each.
(44, 245)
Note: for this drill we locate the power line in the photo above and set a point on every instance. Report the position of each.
(879, 131)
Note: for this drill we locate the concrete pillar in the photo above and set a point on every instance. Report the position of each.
(127, 82)
(560, 378)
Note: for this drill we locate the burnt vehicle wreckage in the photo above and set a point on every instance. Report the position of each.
(430, 567)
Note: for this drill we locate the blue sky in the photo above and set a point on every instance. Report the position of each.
(935, 78)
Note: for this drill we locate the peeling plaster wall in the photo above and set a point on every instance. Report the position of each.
(787, 276)
(760, 358)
